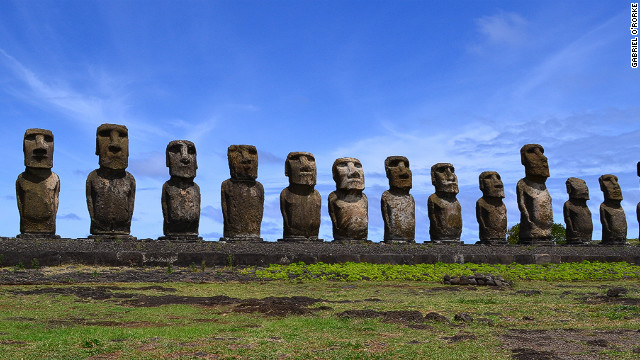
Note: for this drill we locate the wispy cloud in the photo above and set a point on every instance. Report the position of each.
(69, 216)
(502, 29)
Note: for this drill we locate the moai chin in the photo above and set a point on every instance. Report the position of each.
(491, 212)
(180, 194)
(398, 206)
(111, 190)
(534, 201)
(577, 215)
(300, 202)
(348, 205)
(445, 216)
(37, 188)
(612, 216)
(242, 196)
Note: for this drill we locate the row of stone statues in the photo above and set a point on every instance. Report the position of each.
(110, 194)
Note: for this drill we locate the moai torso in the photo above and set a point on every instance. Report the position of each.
(577, 215)
(111, 190)
(37, 188)
(300, 202)
(37, 203)
(397, 204)
(443, 208)
(242, 196)
(534, 200)
(349, 215)
(492, 220)
(348, 205)
(110, 198)
(180, 194)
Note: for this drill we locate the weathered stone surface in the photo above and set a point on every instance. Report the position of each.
(491, 212)
(111, 189)
(37, 188)
(398, 206)
(577, 215)
(534, 200)
(180, 194)
(300, 202)
(612, 216)
(445, 217)
(242, 196)
(348, 205)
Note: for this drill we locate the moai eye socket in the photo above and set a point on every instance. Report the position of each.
(48, 138)
(253, 151)
(30, 137)
(357, 165)
(123, 134)
(175, 149)
(191, 150)
(104, 133)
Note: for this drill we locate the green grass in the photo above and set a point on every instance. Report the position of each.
(53, 326)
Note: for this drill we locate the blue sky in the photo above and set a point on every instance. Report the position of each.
(465, 82)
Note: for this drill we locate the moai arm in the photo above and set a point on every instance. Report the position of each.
(163, 199)
(285, 218)
(332, 203)
(604, 220)
(431, 210)
(90, 197)
(132, 196)
(521, 198)
(385, 212)
(567, 216)
(479, 216)
(19, 195)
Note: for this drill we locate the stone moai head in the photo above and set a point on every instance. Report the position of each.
(398, 172)
(534, 161)
(348, 174)
(300, 167)
(112, 146)
(444, 178)
(577, 189)
(610, 187)
(491, 184)
(181, 159)
(38, 148)
(243, 162)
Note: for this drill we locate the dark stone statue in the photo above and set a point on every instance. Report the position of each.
(111, 190)
(37, 188)
(534, 201)
(398, 206)
(576, 213)
(491, 212)
(300, 202)
(348, 205)
(612, 216)
(445, 217)
(180, 194)
(242, 196)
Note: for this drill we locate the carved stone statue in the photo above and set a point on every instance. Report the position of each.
(445, 217)
(534, 201)
(111, 190)
(300, 202)
(398, 206)
(612, 216)
(180, 195)
(576, 213)
(242, 196)
(348, 205)
(491, 212)
(37, 188)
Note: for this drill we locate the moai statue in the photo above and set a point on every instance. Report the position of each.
(300, 202)
(348, 205)
(491, 212)
(445, 217)
(37, 188)
(242, 196)
(576, 213)
(111, 190)
(612, 216)
(534, 201)
(180, 195)
(398, 206)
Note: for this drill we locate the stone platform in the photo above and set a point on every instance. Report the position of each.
(162, 253)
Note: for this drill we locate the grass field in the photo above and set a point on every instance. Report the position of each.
(324, 319)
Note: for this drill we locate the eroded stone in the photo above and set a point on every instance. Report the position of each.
(445, 217)
(612, 216)
(534, 200)
(491, 212)
(398, 206)
(577, 215)
(348, 205)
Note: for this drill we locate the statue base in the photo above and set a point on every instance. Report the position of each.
(622, 242)
(490, 242)
(444, 242)
(181, 238)
(351, 241)
(300, 239)
(112, 238)
(37, 236)
(399, 241)
(537, 242)
(579, 242)
(244, 239)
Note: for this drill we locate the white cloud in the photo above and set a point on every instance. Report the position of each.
(502, 29)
